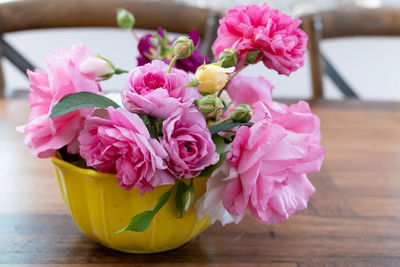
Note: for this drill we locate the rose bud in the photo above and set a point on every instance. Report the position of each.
(183, 47)
(242, 113)
(212, 78)
(97, 67)
(125, 19)
(210, 105)
(228, 58)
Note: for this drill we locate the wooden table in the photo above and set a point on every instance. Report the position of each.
(353, 219)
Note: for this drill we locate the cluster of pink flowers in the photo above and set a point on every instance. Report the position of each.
(161, 133)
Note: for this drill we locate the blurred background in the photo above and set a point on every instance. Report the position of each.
(369, 65)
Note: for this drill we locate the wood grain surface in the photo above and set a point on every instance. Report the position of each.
(352, 220)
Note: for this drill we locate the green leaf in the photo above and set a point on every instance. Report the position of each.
(184, 197)
(219, 143)
(226, 125)
(81, 100)
(141, 222)
(182, 187)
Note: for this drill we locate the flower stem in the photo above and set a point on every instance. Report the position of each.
(236, 72)
(222, 121)
(120, 71)
(134, 34)
(231, 77)
(171, 64)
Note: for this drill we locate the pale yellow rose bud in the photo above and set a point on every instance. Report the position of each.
(212, 78)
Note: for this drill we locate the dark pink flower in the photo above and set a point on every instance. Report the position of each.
(275, 35)
(149, 49)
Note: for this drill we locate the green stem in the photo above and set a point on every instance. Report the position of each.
(174, 59)
(134, 34)
(120, 71)
(236, 72)
(231, 77)
(222, 121)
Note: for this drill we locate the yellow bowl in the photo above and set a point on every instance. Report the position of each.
(100, 207)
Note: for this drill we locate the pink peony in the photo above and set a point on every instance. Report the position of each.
(272, 159)
(259, 28)
(46, 135)
(151, 90)
(121, 143)
(188, 143)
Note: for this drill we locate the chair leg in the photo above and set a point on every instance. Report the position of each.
(210, 34)
(312, 26)
(2, 85)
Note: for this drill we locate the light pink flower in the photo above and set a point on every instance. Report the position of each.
(46, 135)
(210, 204)
(95, 67)
(151, 90)
(248, 90)
(272, 162)
(259, 28)
(188, 143)
(120, 142)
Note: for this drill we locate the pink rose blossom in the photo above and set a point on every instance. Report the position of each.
(188, 143)
(210, 204)
(281, 43)
(272, 162)
(46, 135)
(120, 142)
(151, 90)
(248, 90)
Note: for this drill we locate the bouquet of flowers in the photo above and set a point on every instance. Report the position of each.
(181, 116)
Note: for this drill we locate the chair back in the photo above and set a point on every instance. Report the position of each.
(17, 15)
(344, 23)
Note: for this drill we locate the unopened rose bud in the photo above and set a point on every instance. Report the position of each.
(97, 67)
(210, 105)
(183, 47)
(212, 78)
(228, 58)
(242, 113)
(125, 19)
(188, 199)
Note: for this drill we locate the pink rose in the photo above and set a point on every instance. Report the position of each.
(272, 162)
(281, 43)
(120, 142)
(151, 90)
(210, 204)
(46, 135)
(248, 90)
(188, 143)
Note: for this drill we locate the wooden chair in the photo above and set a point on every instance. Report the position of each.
(17, 15)
(344, 23)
